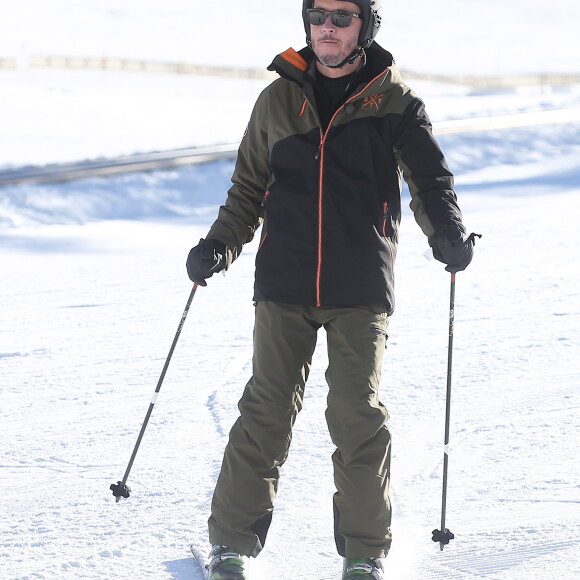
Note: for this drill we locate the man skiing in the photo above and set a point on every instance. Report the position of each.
(319, 168)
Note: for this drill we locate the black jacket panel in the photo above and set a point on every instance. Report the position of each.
(331, 200)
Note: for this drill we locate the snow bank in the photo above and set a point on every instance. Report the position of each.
(518, 162)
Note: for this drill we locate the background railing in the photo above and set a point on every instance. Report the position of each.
(194, 155)
(133, 65)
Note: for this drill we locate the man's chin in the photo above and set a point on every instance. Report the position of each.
(330, 59)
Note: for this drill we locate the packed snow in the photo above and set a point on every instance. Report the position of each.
(93, 286)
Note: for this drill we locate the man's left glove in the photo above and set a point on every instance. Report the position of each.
(451, 248)
(203, 261)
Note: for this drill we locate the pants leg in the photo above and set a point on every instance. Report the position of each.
(284, 341)
(356, 420)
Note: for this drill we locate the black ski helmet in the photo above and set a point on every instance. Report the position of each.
(371, 17)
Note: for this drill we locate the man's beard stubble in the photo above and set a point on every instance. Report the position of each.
(333, 59)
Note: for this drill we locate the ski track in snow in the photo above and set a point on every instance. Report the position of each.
(89, 309)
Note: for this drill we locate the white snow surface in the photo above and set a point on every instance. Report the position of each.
(93, 286)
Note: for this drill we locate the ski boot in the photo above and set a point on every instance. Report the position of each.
(226, 564)
(362, 569)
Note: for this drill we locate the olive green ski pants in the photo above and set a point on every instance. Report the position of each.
(284, 342)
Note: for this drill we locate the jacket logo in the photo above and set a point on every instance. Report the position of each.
(372, 102)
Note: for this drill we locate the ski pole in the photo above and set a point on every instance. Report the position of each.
(121, 489)
(443, 536)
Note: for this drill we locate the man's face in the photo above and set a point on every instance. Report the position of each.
(330, 43)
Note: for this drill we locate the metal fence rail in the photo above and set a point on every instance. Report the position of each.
(192, 155)
(7, 63)
(131, 65)
(111, 166)
(134, 65)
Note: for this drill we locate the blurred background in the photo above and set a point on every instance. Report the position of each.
(452, 36)
(64, 94)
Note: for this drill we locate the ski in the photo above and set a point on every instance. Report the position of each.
(200, 562)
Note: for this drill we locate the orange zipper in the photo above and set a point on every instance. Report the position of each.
(389, 240)
(263, 240)
(264, 205)
(385, 215)
(320, 156)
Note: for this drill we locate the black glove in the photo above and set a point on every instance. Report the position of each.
(451, 248)
(203, 261)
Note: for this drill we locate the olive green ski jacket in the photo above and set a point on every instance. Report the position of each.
(330, 200)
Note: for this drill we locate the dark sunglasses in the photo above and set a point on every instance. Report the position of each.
(339, 18)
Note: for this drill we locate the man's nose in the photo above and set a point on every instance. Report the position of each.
(328, 25)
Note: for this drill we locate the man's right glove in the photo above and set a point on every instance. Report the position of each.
(451, 248)
(204, 260)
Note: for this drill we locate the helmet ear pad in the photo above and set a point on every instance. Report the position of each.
(371, 16)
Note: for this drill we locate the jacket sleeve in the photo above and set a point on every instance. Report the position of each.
(425, 170)
(242, 213)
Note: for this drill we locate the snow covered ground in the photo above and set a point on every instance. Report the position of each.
(90, 309)
(93, 285)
